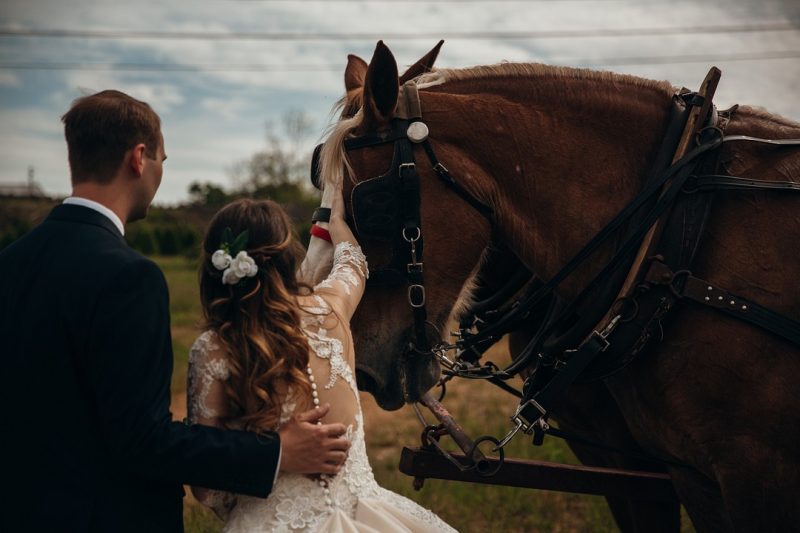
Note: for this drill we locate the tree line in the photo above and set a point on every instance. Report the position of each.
(279, 172)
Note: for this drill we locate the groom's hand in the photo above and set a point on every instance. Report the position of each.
(311, 448)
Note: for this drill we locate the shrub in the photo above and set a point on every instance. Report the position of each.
(140, 237)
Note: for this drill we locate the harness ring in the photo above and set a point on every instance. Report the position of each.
(415, 238)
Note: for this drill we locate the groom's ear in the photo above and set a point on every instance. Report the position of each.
(134, 159)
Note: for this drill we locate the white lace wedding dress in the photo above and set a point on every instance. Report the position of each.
(351, 501)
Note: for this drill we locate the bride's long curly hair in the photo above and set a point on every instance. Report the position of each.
(257, 321)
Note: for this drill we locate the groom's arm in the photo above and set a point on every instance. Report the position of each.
(129, 365)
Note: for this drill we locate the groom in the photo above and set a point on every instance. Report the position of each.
(88, 440)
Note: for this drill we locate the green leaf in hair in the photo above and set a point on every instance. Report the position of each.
(240, 243)
(227, 238)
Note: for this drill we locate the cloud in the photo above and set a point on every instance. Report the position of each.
(162, 96)
(213, 118)
(33, 137)
(9, 79)
(222, 107)
(30, 121)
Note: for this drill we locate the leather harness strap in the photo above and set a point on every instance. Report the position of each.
(685, 285)
(718, 182)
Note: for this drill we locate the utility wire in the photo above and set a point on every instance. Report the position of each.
(588, 62)
(356, 36)
(163, 67)
(425, 1)
(422, 1)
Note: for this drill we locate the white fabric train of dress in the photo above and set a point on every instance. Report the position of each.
(352, 501)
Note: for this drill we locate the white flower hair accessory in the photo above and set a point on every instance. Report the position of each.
(232, 258)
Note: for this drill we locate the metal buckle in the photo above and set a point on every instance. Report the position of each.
(521, 424)
(602, 339)
(420, 290)
(602, 336)
(402, 166)
(522, 406)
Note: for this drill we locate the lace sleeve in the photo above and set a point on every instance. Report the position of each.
(344, 286)
(207, 370)
(206, 403)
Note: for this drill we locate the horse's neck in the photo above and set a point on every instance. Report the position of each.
(559, 158)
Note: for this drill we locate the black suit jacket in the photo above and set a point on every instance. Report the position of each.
(88, 442)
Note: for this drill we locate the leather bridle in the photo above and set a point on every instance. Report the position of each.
(387, 209)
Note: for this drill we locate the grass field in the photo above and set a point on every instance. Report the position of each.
(479, 407)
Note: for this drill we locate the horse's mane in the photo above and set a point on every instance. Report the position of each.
(762, 115)
(539, 71)
(333, 159)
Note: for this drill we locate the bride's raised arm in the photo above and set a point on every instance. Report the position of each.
(318, 261)
(346, 282)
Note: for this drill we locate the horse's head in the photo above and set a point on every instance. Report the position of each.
(395, 210)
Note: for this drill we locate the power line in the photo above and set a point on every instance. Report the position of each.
(372, 36)
(422, 1)
(588, 62)
(425, 1)
(681, 59)
(163, 67)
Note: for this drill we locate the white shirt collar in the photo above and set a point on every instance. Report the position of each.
(100, 208)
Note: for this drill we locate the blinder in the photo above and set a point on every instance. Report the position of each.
(386, 209)
(377, 203)
(315, 167)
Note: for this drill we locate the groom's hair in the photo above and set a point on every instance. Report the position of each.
(101, 127)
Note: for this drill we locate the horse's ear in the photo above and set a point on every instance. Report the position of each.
(381, 85)
(354, 76)
(354, 73)
(423, 65)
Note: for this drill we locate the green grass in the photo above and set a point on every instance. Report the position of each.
(185, 313)
(479, 407)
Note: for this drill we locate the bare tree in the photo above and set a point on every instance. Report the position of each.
(285, 159)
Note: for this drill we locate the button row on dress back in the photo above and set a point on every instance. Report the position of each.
(323, 478)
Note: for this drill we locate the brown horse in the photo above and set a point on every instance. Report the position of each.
(556, 153)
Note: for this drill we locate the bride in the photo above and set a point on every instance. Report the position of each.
(273, 348)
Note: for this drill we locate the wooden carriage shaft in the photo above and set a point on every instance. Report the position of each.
(453, 428)
(694, 123)
(544, 475)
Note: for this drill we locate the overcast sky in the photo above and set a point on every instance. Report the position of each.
(215, 88)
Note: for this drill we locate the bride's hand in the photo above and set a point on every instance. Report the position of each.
(338, 227)
(309, 448)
